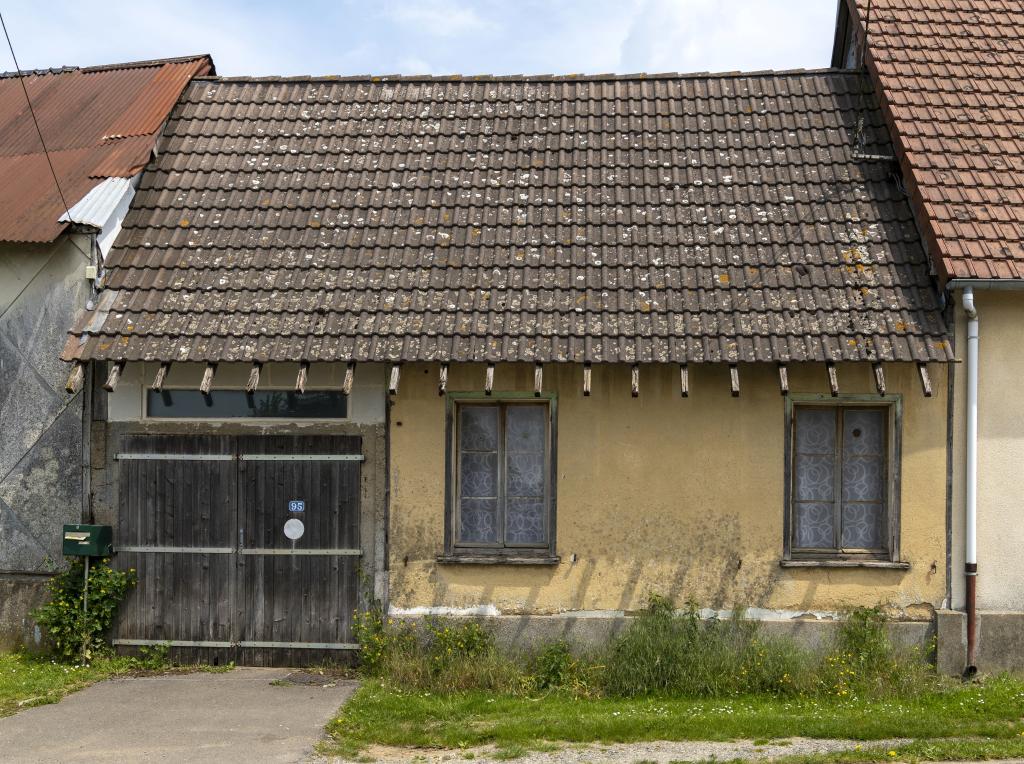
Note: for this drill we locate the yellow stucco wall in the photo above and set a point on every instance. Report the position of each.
(663, 494)
(1000, 452)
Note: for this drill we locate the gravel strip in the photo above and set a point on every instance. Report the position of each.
(629, 753)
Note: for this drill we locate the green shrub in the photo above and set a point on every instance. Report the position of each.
(662, 652)
(73, 633)
(380, 638)
(665, 653)
(441, 656)
(864, 662)
(451, 641)
(555, 667)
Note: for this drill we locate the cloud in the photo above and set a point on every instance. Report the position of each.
(707, 35)
(440, 18)
(267, 37)
(414, 65)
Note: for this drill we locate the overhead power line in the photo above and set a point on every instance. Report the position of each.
(42, 141)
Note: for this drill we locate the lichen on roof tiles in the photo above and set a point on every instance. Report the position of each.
(717, 218)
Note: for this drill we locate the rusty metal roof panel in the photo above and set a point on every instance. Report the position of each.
(653, 219)
(97, 122)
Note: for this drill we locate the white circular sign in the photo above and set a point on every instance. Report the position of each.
(294, 529)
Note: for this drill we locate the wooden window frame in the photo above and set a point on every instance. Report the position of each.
(497, 553)
(890, 557)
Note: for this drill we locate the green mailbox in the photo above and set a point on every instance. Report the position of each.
(88, 540)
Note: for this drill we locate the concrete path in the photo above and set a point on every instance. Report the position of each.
(235, 716)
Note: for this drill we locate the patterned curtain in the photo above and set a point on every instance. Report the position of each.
(513, 437)
(839, 481)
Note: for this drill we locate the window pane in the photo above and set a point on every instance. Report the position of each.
(815, 430)
(815, 526)
(479, 476)
(478, 428)
(478, 521)
(525, 475)
(862, 526)
(864, 431)
(231, 404)
(863, 456)
(815, 478)
(526, 428)
(863, 478)
(502, 474)
(524, 520)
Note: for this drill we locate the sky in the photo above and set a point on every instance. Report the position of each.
(351, 37)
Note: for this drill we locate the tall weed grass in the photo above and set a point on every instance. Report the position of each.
(662, 653)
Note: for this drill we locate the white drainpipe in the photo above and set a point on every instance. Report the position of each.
(971, 477)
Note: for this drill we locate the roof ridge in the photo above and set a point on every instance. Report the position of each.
(38, 72)
(107, 67)
(370, 78)
(148, 62)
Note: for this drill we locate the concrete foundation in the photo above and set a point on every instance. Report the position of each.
(19, 595)
(592, 631)
(1000, 641)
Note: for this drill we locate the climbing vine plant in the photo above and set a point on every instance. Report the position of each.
(73, 632)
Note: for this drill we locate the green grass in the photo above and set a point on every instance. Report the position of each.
(384, 715)
(27, 681)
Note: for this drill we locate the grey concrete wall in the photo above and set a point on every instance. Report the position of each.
(1000, 641)
(588, 632)
(19, 595)
(41, 435)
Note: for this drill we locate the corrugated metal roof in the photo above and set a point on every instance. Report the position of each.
(97, 122)
(620, 219)
(95, 208)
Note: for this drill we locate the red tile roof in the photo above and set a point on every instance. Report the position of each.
(98, 122)
(951, 76)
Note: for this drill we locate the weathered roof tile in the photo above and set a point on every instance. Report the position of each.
(664, 219)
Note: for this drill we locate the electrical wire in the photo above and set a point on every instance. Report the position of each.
(24, 88)
(39, 132)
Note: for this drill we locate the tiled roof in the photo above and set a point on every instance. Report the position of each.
(97, 122)
(952, 80)
(657, 218)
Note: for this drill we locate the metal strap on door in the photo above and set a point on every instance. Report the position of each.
(241, 643)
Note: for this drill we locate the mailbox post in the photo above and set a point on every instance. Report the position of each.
(87, 541)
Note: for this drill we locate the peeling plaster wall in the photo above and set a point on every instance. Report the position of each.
(1000, 453)
(41, 485)
(663, 494)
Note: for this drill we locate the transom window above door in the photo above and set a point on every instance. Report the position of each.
(501, 498)
(843, 471)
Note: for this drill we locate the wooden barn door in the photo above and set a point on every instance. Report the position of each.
(177, 528)
(297, 596)
(202, 520)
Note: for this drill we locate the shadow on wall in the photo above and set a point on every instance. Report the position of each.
(709, 569)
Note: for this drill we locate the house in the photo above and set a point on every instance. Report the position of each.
(949, 77)
(526, 348)
(60, 210)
